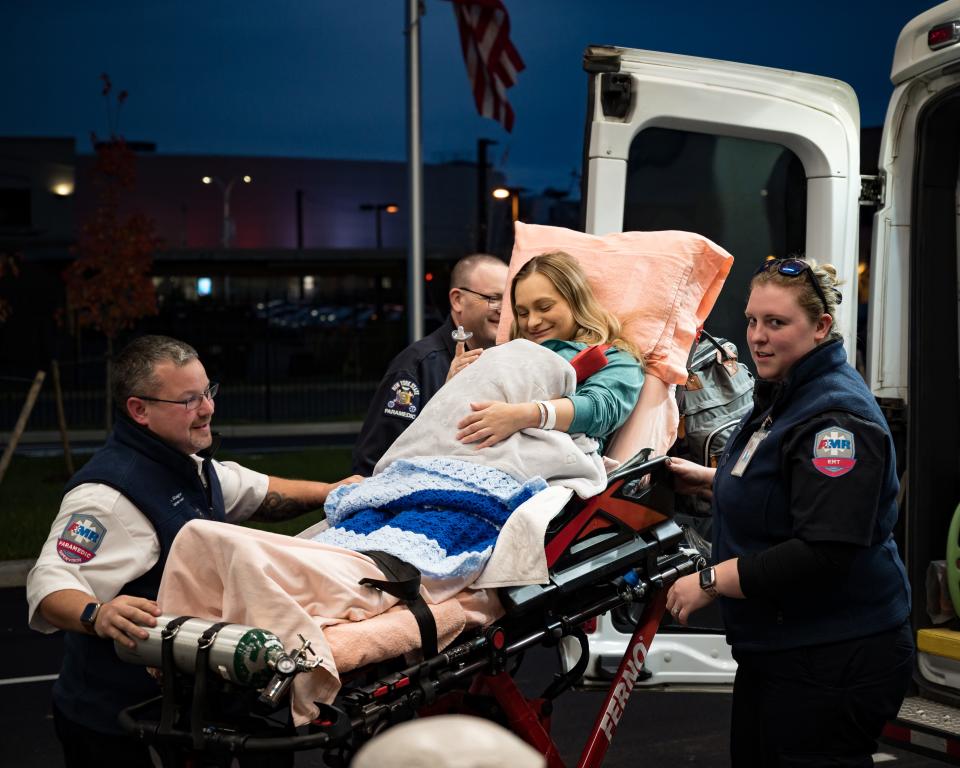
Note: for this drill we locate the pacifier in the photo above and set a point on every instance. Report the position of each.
(461, 335)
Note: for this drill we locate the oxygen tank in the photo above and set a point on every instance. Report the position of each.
(241, 654)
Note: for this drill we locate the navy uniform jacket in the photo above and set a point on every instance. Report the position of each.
(94, 684)
(412, 378)
(826, 472)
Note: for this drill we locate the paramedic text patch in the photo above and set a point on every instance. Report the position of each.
(834, 451)
(404, 400)
(81, 538)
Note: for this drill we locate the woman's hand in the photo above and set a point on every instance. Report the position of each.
(492, 422)
(691, 478)
(685, 597)
(462, 358)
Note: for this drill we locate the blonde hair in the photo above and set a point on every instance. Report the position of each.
(595, 325)
(807, 298)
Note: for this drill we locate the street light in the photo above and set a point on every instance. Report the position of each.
(228, 227)
(379, 208)
(502, 193)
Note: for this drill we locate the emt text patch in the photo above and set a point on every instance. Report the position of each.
(833, 451)
(404, 400)
(81, 538)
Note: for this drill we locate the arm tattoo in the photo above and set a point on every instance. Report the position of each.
(277, 507)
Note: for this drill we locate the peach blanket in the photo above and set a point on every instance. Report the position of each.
(263, 579)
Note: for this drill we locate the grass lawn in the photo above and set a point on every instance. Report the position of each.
(31, 490)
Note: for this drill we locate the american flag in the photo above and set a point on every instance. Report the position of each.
(492, 61)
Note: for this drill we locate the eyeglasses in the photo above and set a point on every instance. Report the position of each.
(191, 403)
(794, 268)
(494, 302)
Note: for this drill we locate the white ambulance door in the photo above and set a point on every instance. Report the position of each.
(925, 76)
(913, 362)
(762, 161)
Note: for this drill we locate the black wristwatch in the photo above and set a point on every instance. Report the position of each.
(708, 581)
(89, 617)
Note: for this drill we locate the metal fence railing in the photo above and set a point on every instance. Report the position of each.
(236, 404)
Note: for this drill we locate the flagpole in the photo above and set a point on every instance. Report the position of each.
(415, 175)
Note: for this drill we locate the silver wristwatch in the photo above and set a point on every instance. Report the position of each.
(708, 581)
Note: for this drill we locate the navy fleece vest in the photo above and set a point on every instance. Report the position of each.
(94, 685)
(752, 513)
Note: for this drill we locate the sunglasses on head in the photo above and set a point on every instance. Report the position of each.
(795, 268)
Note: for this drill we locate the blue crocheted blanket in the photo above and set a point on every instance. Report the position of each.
(442, 515)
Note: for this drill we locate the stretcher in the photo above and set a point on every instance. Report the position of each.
(224, 687)
(618, 549)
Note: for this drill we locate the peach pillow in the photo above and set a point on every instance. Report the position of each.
(662, 285)
(653, 423)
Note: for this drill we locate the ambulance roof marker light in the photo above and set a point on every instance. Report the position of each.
(943, 35)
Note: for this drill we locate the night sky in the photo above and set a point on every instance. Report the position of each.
(326, 79)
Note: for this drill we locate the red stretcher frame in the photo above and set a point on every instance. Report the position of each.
(527, 719)
(432, 686)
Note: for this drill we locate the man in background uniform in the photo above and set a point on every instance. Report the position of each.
(477, 284)
(99, 571)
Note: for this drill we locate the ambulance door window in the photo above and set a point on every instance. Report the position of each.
(747, 196)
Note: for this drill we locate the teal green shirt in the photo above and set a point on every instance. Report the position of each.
(604, 401)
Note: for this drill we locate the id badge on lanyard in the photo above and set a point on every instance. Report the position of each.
(751, 448)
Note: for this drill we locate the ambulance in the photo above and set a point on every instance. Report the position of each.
(768, 162)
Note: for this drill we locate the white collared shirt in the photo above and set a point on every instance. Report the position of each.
(121, 544)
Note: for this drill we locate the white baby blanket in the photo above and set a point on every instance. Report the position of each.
(515, 372)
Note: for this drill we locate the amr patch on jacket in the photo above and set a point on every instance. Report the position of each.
(834, 450)
(404, 400)
(81, 538)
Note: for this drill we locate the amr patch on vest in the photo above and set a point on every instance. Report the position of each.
(833, 451)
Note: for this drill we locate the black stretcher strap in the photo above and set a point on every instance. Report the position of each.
(168, 709)
(204, 644)
(403, 582)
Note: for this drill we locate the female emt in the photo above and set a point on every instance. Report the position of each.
(813, 593)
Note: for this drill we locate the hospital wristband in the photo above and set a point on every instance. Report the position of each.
(551, 420)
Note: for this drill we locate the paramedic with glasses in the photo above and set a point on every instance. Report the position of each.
(413, 377)
(814, 596)
(98, 572)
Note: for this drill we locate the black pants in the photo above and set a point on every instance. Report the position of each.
(83, 748)
(818, 706)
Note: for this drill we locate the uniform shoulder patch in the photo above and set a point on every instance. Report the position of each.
(403, 400)
(834, 451)
(81, 538)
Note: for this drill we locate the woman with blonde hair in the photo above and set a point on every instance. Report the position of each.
(554, 305)
(594, 324)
